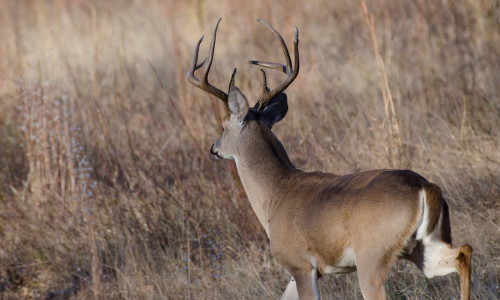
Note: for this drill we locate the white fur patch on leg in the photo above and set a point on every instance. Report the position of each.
(439, 259)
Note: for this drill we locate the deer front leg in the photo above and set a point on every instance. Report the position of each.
(304, 285)
(307, 284)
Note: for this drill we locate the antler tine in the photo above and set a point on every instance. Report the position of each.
(287, 69)
(277, 66)
(282, 42)
(265, 89)
(203, 82)
(194, 66)
(269, 65)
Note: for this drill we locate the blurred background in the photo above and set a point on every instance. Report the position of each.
(107, 188)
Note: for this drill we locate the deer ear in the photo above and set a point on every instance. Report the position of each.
(275, 111)
(238, 104)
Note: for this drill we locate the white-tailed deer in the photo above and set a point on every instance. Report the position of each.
(320, 223)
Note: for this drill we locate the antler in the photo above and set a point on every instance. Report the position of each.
(203, 82)
(267, 95)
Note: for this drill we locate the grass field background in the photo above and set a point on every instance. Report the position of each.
(107, 188)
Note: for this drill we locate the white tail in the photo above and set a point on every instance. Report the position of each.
(320, 223)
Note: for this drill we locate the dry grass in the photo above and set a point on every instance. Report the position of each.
(106, 186)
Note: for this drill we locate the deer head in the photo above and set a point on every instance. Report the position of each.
(270, 108)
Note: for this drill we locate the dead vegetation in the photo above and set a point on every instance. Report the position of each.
(107, 189)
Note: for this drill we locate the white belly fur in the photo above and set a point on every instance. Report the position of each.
(346, 263)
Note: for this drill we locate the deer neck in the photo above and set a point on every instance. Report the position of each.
(263, 166)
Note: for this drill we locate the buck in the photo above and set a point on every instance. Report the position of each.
(321, 223)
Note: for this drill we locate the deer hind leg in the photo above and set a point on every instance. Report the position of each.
(463, 261)
(372, 266)
(371, 278)
(438, 258)
(434, 253)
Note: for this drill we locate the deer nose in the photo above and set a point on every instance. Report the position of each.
(215, 154)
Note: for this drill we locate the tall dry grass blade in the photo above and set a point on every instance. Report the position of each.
(96, 268)
(95, 42)
(395, 142)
